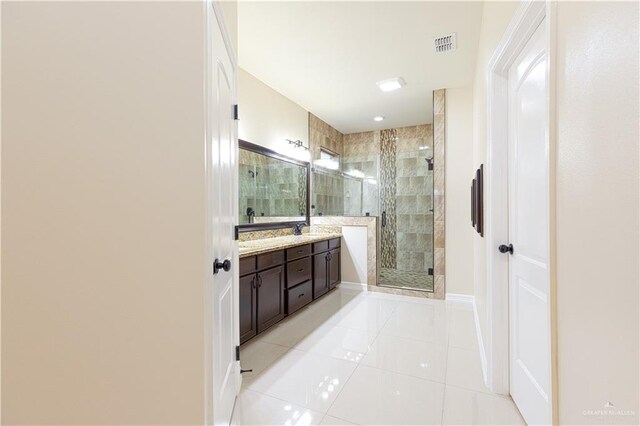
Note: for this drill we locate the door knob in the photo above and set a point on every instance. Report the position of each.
(506, 249)
(225, 265)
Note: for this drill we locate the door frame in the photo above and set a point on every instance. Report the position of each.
(529, 15)
(214, 15)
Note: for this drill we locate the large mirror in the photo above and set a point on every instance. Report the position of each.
(274, 189)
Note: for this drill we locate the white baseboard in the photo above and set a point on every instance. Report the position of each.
(483, 355)
(461, 298)
(356, 286)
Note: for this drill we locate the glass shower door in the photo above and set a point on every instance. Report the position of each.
(406, 206)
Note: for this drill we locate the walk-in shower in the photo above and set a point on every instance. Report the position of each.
(406, 208)
(389, 174)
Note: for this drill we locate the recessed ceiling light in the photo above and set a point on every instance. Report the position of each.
(391, 84)
(378, 118)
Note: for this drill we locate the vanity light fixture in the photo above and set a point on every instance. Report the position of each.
(391, 84)
(298, 144)
(378, 118)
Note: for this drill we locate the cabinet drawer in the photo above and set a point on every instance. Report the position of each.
(298, 271)
(320, 246)
(247, 265)
(298, 297)
(335, 243)
(273, 258)
(297, 252)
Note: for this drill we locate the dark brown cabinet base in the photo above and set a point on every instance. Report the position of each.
(278, 283)
(270, 297)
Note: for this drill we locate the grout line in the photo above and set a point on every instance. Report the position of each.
(359, 363)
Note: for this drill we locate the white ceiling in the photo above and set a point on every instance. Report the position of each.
(328, 56)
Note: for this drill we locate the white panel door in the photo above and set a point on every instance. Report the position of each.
(222, 189)
(529, 321)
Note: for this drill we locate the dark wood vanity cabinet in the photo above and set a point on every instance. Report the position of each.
(271, 306)
(262, 293)
(320, 270)
(278, 283)
(326, 269)
(248, 306)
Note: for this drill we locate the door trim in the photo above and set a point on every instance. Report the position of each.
(526, 20)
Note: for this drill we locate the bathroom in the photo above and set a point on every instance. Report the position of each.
(342, 211)
(382, 188)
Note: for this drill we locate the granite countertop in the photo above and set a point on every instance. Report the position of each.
(253, 247)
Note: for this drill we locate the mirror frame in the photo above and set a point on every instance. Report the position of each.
(248, 227)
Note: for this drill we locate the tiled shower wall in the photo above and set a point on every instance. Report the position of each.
(414, 198)
(438, 190)
(321, 135)
(404, 191)
(327, 187)
(362, 153)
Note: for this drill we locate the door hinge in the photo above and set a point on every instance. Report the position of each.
(237, 353)
(236, 233)
(430, 271)
(235, 112)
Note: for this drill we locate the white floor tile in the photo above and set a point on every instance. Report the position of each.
(425, 322)
(464, 370)
(462, 330)
(258, 355)
(338, 342)
(305, 379)
(334, 421)
(253, 408)
(465, 407)
(306, 371)
(290, 331)
(364, 313)
(379, 397)
(413, 357)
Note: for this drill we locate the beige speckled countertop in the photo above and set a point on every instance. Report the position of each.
(253, 247)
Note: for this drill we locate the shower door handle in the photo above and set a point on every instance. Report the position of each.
(384, 219)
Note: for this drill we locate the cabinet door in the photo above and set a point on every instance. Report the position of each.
(270, 297)
(248, 304)
(334, 268)
(320, 277)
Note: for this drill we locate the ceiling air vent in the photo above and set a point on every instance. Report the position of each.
(445, 43)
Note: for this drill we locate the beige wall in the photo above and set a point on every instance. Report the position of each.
(597, 210)
(268, 118)
(102, 213)
(495, 18)
(458, 174)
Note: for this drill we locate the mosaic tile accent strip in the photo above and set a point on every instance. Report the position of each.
(388, 198)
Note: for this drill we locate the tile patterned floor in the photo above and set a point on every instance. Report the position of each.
(406, 279)
(363, 358)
